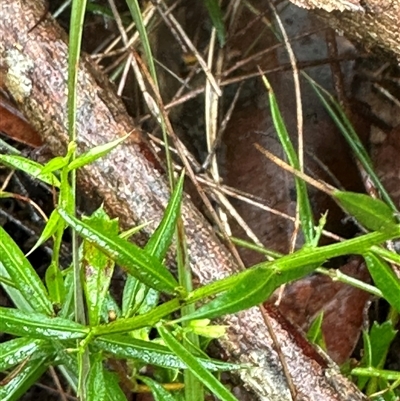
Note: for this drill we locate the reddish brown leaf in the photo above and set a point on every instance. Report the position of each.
(342, 304)
(387, 163)
(14, 125)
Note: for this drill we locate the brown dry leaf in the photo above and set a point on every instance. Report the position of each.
(343, 307)
(387, 163)
(14, 125)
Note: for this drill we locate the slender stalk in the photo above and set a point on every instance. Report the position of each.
(75, 42)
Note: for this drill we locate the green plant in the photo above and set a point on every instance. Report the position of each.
(43, 319)
(73, 322)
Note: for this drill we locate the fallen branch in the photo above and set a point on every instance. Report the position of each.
(132, 186)
(371, 23)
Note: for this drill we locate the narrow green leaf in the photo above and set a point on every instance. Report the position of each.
(133, 230)
(137, 322)
(376, 345)
(74, 48)
(315, 334)
(133, 295)
(55, 164)
(137, 262)
(158, 391)
(23, 275)
(192, 362)
(67, 308)
(124, 346)
(149, 301)
(55, 284)
(136, 13)
(98, 270)
(343, 123)
(14, 351)
(37, 325)
(97, 267)
(385, 279)
(215, 13)
(95, 385)
(371, 213)
(205, 329)
(367, 357)
(66, 196)
(95, 153)
(160, 241)
(251, 290)
(136, 296)
(30, 167)
(52, 225)
(254, 287)
(305, 211)
(15, 295)
(302, 259)
(127, 347)
(113, 389)
(373, 372)
(27, 377)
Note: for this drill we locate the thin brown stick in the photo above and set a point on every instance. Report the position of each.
(282, 359)
(56, 380)
(322, 186)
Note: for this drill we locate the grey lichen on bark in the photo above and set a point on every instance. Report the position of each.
(17, 77)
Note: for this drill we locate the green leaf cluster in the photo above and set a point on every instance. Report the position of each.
(43, 321)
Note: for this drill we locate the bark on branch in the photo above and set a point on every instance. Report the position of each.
(133, 189)
(372, 23)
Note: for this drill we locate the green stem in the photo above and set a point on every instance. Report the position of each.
(137, 322)
(303, 257)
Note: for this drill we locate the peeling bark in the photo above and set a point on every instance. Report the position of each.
(372, 23)
(133, 188)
